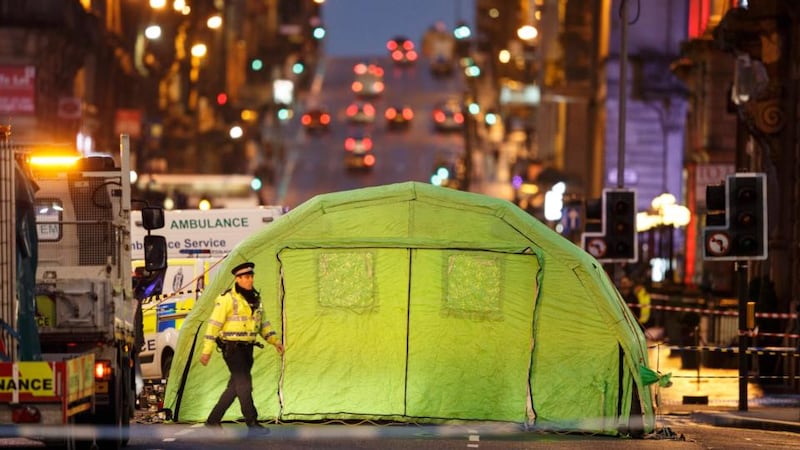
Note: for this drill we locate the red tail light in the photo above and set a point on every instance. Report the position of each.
(459, 118)
(369, 160)
(438, 116)
(408, 114)
(26, 414)
(391, 45)
(377, 71)
(397, 55)
(360, 68)
(306, 120)
(325, 119)
(411, 55)
(352, 110)
(349, 144)
(390, 113)
(357, 86)
(367, 143)
(369, 110)
(378, 86)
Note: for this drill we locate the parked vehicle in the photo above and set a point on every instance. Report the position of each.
(68, 336)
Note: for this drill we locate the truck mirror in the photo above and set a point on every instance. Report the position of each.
(155, 253)
(152, 218)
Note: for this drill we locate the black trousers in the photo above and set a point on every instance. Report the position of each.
(239, 358)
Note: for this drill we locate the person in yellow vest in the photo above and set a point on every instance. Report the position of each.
(234, 326)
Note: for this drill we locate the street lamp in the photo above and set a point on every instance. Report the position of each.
(664, 215)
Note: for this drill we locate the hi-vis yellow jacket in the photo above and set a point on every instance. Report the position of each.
(234, 320)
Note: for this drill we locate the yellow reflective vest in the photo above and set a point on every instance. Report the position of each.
(234, 320)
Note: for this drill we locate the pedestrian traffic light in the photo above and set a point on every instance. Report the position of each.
(617, 239)
(742, 235)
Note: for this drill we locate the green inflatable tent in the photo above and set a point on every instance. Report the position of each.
(414, 303)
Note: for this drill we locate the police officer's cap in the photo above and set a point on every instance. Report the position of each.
(244, 269)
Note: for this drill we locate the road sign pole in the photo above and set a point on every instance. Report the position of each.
(741, 279)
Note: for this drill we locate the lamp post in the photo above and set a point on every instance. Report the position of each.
(664, 215)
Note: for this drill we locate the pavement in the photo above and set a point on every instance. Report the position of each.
(779, 413)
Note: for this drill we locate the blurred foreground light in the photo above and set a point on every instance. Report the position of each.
(443, 173)
(490, 118)
(472, 71)
(204, 204)
(256, 184)
(169, 203)
(134, 176)
(474, 108)
(318, 33)
(152, 32)
(256, 64)
(236, 132)
(179, 5)
(158, 4)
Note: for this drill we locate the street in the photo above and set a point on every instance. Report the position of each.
(675, 432)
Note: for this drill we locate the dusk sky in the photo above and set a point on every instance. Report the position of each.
(362, 27)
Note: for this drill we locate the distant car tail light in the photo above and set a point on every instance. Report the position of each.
(378, 86)
(306, 120)
(26, 414)
(438, 115)
(349, 144)
(369, 110)
(325, 119)
(357, 86)
(391, 46)
(390, 113)
(367, 143)
(360, 68)
(408, 114)
(369, 160)
(397, 55)
(102, 370)
(408, 45)
(411, 55)
(377, 71)
(459, 118)
(352, 110)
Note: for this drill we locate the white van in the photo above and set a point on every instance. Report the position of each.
(197, 242)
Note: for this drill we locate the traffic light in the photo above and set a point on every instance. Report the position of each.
(616, 240)
(737, 230)
(318, 32)
(620, 224)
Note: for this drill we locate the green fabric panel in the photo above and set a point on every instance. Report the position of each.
(575, 365)
(345, 312)
(470, 334)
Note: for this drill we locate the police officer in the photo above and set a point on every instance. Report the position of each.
(234, 325)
